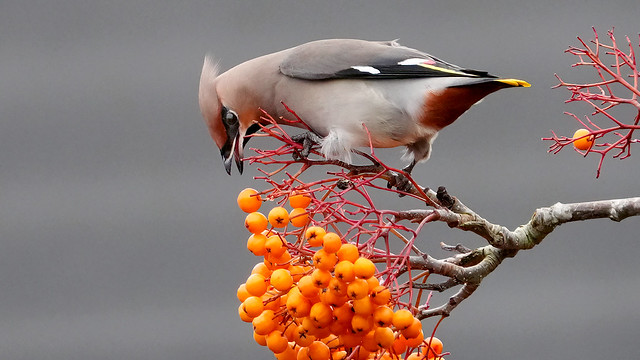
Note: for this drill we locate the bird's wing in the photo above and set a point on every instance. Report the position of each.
(350, 58)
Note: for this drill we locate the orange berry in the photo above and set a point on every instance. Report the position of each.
(299, 217)
(384, 337)
(319, 351)
(318, 332)
(363, 306)
(321, 314)
(338, 286)
(314, 235)
(348, 252)
(383, 316)
(281, 279)
(364, 268)
(256, 284)
(339, 355)
(289, 329)
(324, 260)
(307, 287)
(299, 201)
(321, 278)
(303, 354)
(399, 346)
(402, 319)
(261, 268)
(278, 217)
(297, 305)
(369, 343)
(302, 337)
(260, 339)
(344, 271)
(277, 262)
(288, 354)
(332, 298)
(308, 324)
(331, 242)
(343, 313)
(253, 306)
(585, 143)
(255, 244)
(364, 354)
(414, 356)
(276, 342)
(350, 340)
(243, 314)
(380, 295)
(434, 347)
(297, 272)
(338, 328)
(373, 282)
(264, 323)
(274, 246)
(249, 201)
(358, 289)
(361, 324)
(242, 292)
(414, 341)
(256, 222)
(413, 330)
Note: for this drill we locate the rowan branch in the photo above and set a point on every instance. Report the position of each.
(612, 97)
(345, 200)
(543, 221)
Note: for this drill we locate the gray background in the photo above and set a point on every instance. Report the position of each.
(119, 234)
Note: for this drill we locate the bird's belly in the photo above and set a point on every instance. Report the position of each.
(361, 113)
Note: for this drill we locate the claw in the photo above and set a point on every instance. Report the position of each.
(400, 182)
(308, 140)
(445, 199)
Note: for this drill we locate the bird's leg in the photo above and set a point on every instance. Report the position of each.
(307, 139)
(409, 168)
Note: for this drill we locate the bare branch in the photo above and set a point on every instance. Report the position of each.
(543, 221)
(454, 301)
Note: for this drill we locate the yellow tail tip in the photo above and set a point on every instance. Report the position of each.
(514, 82)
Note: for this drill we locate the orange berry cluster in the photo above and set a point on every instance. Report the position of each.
(322, 304)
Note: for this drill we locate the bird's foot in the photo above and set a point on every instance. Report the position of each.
(400, 182)
(445, 199)
(307, 140)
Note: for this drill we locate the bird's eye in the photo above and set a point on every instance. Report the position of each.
(229, 116)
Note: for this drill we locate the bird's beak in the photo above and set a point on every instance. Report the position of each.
(232, 149)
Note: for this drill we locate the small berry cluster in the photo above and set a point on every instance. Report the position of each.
(323, 303)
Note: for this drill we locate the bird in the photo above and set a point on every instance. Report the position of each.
(349, 93)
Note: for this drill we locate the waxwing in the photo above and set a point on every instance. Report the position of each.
(401, 95)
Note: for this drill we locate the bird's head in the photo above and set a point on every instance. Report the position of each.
(226, 123)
